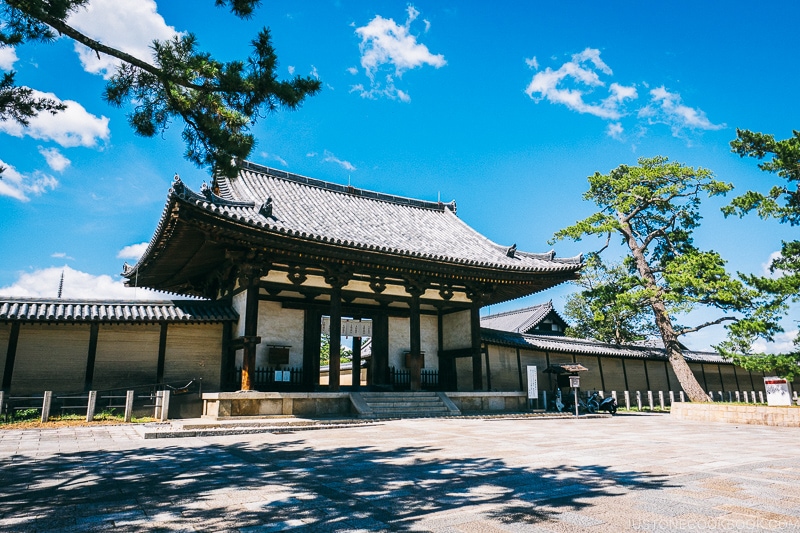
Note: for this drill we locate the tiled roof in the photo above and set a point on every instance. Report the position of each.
(519, 320)
(53, 310)
(279, 202)
(589, 347)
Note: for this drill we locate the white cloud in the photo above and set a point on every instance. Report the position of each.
(783, 343)
(388, 45)
(577, 79)
(21, 186)
(330, 158)
(8, 56)
(291, 70)
(133, 251)
(667, 108)
(615, 130)
(72, 127)
(44, 283)
(765, 267)
(55, 159)
(311, 154)
(128, 25)
(352, 70)
(577, 84)
(274, 157)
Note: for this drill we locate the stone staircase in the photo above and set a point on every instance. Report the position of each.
(403, 404)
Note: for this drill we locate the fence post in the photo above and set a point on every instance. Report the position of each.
(639, 400)
(2, 402)
(128, 405)
(544, 399)
(738, 398)
(710, 395)
(614, 395)
(165, 406)
(628, 400)
(680, 395)
(650, 399)
(671, 398)
(661, 399)
(721, 396)
(46, 401)
(602, 396)
(760, 396)
(753, 396)
(90, 405)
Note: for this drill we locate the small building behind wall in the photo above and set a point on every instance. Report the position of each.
(611, 367)
(73, 346)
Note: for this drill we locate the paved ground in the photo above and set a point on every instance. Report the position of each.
(629, 473)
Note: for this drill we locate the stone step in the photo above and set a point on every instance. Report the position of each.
(420, 405)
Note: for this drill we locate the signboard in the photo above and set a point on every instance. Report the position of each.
(575, 382)
(350, 327)
(533, 383)
(777, 391)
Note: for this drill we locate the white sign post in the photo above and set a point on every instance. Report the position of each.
(575, 383)
(777, 391)
(533, 386)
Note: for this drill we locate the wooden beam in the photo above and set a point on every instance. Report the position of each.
(415, 369)
(475, 333)
(356, 373)
(94, 330)
(11, 354)
(162, 353)
(312, 332)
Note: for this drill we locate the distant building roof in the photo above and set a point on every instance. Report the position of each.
(268, 207)
(589, 347)
(525, 320)
(76, 311)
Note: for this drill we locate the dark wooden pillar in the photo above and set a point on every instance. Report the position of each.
(488, 368)
(312, 332)
(380, 349)
(162, 353)
(11, 354)
(519, 369)
(356, 363)
(475, 333)
(336, 337)
(602, 379)
(94, 330)
(415, 357)
(250, 339)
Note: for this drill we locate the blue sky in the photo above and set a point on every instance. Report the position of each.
(505, 107)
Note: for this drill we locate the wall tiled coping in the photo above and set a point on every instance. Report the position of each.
(762, 415)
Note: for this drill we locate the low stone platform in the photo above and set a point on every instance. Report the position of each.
(762, 415)
(225, 405)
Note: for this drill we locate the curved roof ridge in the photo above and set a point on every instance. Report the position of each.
(224, 186)
(520, 310)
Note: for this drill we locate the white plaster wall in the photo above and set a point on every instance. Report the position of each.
(429, 337)
(456, 330)
(399, 341)
(284, 327)
(238, 303)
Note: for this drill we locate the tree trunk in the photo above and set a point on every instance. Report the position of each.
(663, 322)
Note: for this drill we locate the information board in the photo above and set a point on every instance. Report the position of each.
(575, 382)
(777, 391)
(533, 383)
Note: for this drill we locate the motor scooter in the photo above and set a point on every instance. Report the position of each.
(595, 404)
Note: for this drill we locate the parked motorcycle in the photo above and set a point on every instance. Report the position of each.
(594, 404)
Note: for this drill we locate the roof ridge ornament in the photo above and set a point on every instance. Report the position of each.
(266, 208)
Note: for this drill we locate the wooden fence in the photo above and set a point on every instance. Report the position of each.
(401, 379)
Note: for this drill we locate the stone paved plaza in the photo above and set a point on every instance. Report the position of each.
(628, 473)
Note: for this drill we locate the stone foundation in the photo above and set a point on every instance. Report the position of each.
(227, 405)
(762, 415)
(489, 401)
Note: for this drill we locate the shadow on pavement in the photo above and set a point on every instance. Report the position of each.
(282, 486)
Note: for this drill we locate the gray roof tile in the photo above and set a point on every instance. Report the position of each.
(327, 212)
(52, 310)
(589, 347)
(519, 320)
